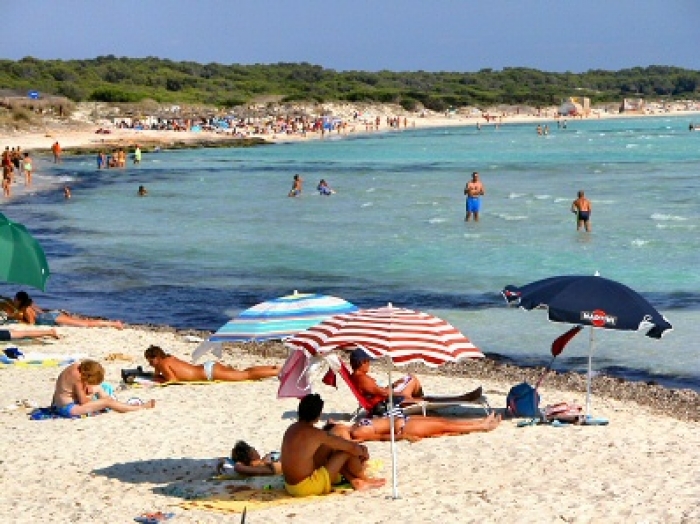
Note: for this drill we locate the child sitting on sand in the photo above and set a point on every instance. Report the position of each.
(77, 384)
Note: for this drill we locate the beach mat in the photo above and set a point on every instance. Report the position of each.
(224, 497)
(36, 362)
(145, 383)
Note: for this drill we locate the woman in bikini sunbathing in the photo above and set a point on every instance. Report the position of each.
(411, 428)
(29, 313)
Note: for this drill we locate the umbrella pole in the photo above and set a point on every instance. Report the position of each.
(394, 480)
(591, 346)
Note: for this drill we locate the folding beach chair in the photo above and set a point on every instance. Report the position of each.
(366, 407)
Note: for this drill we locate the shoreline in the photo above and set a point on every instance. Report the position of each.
(84, 140)
(679, 403)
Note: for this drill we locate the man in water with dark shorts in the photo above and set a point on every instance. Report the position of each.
(582, 208)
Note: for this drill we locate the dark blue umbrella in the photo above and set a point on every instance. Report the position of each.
(590, 301)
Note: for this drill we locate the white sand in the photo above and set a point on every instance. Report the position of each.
(641, 468)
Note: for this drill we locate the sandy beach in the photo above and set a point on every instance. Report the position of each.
(78, 135)
(642, 467)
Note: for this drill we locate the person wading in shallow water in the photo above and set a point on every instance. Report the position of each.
(474, 191)
(581, 207)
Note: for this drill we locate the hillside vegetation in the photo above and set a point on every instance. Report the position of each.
(113, 79)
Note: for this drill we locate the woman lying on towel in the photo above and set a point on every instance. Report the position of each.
(30, 313)
(171, 369)
(411, 428)
(77, 384)
(245, 460)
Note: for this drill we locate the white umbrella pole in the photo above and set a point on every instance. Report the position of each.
(394, 480)
(591, 346)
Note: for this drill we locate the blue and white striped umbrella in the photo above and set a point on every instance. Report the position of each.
(277, 319)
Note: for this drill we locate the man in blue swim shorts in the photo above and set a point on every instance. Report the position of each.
(474, 191)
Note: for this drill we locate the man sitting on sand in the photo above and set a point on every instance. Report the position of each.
(406, 390)
(411, 428)
(171, 369)
(76, 386)
(313, 460)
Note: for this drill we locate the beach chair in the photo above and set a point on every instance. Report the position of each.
(366, 407)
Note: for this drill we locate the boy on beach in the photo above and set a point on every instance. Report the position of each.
(77, 384)
(313, 460)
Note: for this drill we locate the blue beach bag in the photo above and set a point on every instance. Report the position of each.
(523, 401)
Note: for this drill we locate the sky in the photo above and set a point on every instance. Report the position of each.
(366, 35)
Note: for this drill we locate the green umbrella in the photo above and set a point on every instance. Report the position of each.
(22, 259)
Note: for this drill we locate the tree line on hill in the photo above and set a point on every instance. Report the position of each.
(120, 79)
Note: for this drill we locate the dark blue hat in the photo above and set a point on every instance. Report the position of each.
(360, 355)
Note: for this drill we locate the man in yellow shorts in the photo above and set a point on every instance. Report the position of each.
(313, 460)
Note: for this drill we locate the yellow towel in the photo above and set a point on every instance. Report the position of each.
(226, 500)
(26, 364)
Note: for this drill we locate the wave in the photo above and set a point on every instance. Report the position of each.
(662, 217)
(508, 217)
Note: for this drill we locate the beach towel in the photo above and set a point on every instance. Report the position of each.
(39, 360)
(236, 497)
(146, 383)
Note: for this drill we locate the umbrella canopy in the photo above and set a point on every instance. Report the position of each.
(277, 319)
(22, 259)
(403, 335)
(590, 301)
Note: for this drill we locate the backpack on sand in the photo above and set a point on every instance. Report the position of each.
(523, 401)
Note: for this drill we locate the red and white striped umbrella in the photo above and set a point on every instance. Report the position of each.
(406, 336)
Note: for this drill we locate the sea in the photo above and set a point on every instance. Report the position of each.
(217, 232)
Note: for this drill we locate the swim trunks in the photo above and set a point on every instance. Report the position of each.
(28, 166)
(209, 370)
(318, 483)
(64, 411)
(473, 204)
(584, 215)
(5, 335)
(47, 318)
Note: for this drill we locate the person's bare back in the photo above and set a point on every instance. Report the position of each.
(312, 459)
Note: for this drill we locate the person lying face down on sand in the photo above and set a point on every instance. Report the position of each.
(406, 390)
(247, 461)
(171, 369)
(313, 460)
(413, 428)
(76, 386)
(29, 313)
(8, 334)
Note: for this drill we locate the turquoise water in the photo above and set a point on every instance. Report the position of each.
(217, 233)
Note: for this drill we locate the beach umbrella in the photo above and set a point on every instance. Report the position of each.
(590, 301)
(402, 335)
(22, 259)
(276, 319)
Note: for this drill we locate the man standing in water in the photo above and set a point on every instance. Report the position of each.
(296, 186)
(582, 208)
(474, 191)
